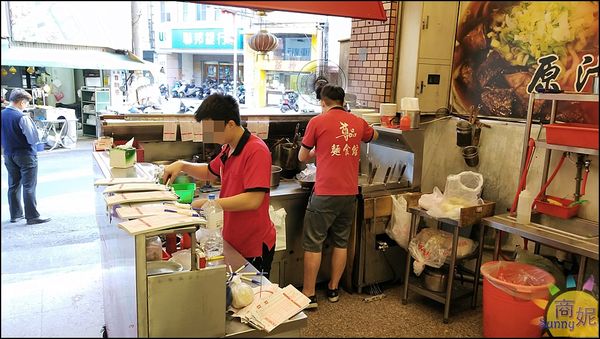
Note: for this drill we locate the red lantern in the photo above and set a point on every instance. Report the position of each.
(263, 42)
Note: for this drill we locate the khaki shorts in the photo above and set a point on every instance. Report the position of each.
(328, 213)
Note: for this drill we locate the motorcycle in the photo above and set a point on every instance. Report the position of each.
(289, 101)
(175, 90)
(241, 94)
(190, 90)
(164, 91)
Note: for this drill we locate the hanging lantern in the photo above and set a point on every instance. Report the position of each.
(4, 72)
(12, 70)
(30, 70)
(263, 41)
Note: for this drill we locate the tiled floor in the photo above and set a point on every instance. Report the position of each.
(52, 286)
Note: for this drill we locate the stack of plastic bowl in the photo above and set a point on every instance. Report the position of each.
(387, 114)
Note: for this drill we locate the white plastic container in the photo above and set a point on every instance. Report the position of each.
(524, 207)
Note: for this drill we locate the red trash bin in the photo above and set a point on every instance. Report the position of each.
(509, 289)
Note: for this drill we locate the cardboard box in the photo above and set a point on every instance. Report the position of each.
(122, 157)
(103, 144)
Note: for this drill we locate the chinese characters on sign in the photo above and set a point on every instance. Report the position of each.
(205, 38)
(346, 134)
(547, 72)
(571, 314)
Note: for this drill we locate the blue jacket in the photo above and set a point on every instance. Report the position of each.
(19, 137)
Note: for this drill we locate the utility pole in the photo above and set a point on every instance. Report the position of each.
(136, 14)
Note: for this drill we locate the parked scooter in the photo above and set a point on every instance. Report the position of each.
(289, 101)
(190, 90)
(175, 90)
(164, 91)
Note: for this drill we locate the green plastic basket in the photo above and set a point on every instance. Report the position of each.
(185, 192)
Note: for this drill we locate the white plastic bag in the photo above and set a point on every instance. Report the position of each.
(428, 201)
(399, 225)
(278, 219)
(241, 293)
(431, 247)
(462, 190)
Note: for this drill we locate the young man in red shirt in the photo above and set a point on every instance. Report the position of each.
(334, 138)
(244, 166)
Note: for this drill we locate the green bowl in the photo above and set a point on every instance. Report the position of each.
(185, 192)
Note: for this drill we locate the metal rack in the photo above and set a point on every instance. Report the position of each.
(575, 235)
(469, 216)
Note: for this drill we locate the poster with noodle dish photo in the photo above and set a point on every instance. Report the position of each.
(506, 50)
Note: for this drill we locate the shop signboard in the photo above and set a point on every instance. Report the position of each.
(205, 38)
(506, 50)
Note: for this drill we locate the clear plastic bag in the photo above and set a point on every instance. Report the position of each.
(308, 174)
(278, 219)
(153, 249)
(399, 226)
(524, 256)
(462, 190)
(522, 281)
(431, 247)
(241, 293)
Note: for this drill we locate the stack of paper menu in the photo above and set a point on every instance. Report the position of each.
(113, 181)
(159, 222)
(272, 306)
(122, 198)
(135, 187)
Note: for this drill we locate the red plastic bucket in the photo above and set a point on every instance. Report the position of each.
(508, 292)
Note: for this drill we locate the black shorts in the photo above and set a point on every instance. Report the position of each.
(328, 213)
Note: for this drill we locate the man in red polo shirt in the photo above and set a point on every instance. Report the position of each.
(244, 166)
(334, 138)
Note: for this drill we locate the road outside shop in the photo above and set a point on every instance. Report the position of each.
(51, 273)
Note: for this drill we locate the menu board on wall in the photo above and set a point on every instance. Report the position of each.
(506, 50)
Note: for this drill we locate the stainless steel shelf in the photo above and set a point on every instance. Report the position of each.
(580, 150)
(88, 101)
(559, 235)
(567, 96)
(458, 291)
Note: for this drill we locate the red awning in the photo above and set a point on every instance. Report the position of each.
(352, 9)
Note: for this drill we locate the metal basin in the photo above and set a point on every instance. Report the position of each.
(275, 175)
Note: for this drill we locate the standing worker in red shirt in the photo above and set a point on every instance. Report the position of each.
(244, 166)
(334, 138)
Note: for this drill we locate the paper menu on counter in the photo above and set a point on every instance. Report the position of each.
(187, 130)
(259, 126)
(159, 222)
(121, 198)
(169, 131)
(197, 130)
(274, 310)
(260, 293)
(113, 181)
(135, 187)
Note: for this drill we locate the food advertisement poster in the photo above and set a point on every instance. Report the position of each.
(506, 50)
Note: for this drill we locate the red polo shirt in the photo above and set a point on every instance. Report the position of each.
(248, 169)
(336, 135)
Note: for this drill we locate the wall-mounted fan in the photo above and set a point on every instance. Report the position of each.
(318, 73)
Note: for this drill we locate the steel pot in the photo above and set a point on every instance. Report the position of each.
(435, 280)
(275, 175)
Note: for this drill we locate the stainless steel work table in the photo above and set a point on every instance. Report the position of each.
(585, 247)
(122, 274)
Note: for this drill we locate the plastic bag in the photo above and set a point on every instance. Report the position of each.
(399, 226)
(523, 281)
(241, 293)
(278, 219)
(462, 190)
(524, 256)
(428, 201)
(308, 174)
(153, 249)
(431, 247)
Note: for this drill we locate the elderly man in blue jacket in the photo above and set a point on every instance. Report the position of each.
(19, 141)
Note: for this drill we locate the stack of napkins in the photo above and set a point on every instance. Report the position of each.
(272, 306)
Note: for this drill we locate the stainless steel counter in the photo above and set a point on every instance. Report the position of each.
(126, 286)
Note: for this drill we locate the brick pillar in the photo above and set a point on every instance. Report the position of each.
(371, 58)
